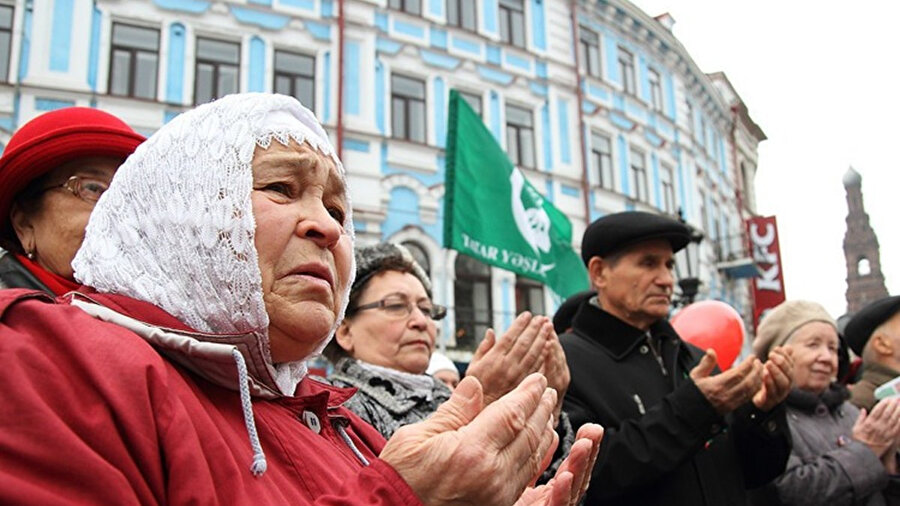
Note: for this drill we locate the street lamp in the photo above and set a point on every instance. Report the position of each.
(687, 265)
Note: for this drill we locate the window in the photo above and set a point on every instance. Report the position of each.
(655, 90)
(520, 136)
(702, 136)
(6, 23)
(716, 230)
(601, 159)
(667, 181)
(704, 217)
(512, 22)
(407, 108)
(863, 267)
(295, 75)
(529, 296)
(419, 255)
(690, 116)
(217, 70)
(473, 100)
(133, 61)
(589, 47)
(461, 13)
(472, 294)
(638, 175)
(626, 70)
(409, 6)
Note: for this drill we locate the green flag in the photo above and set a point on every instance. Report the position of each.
(493, 214)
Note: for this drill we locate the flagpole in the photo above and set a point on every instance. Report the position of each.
(451, 310)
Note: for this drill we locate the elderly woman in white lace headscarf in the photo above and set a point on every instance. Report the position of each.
(219, 260)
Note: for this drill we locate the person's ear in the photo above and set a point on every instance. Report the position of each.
(883, 345)
(23, 227)
(344, 337)
(597, 272)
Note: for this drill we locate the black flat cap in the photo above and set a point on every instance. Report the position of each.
(860, 327)
(615, 232)
(562, 319)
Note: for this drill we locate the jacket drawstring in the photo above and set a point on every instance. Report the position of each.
(340, 430)
(259, 458)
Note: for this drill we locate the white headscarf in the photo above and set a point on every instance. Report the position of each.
(176, 227)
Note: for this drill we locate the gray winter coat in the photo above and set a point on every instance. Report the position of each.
(827, 466)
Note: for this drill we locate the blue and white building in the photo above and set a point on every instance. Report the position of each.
(596, 101)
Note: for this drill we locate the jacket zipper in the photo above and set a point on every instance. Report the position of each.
(656, 354)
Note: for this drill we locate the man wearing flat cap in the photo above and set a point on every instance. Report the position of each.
(874, 334)
(677, 431)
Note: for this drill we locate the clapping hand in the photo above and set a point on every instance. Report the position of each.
(501, 364)
(728, 390)
(467, 453)
(777, 375)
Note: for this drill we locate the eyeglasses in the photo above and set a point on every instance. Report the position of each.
(87, 189)
(399, 306)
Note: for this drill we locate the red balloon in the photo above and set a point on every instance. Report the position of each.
(712, 324)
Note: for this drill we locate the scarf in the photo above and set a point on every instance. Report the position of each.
(56, 283)
(176, 226)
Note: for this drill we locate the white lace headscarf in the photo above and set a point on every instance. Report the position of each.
(176, 226)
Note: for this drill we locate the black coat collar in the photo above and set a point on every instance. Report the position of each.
(617, 337)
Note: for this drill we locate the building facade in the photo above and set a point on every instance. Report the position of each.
(597, 103)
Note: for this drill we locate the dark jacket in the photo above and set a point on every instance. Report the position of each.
(862, 393)
(14, 275)
(664, 442)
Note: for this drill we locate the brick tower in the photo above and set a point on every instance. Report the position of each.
(865, 282)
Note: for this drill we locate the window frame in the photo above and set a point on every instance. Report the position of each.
(506, 14)
(584, 48)
(520, 130)
(469, 97)
(5, 70)
(525, 288)
(407, 99)
(132, 63)
(293, 76)
(459, 23)
(597, 157)
(656, 96)
(404, 6)
(639, 189)
(626, 70)
(216, 93)
(692, 129)
(669, 202)
(470, 280)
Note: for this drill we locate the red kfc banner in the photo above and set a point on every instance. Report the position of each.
(768, 288)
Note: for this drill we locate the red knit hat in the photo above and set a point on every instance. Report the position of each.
(54, 138)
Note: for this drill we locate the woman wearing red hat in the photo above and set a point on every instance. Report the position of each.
(51, 174)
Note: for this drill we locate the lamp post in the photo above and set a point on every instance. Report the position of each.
(687, 266)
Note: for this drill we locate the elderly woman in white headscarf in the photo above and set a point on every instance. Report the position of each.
(219, 260)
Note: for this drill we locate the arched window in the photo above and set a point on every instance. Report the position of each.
(529, 296)
(862, 267)
(419, 254)
(473, 301)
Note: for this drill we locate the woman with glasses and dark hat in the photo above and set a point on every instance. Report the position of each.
(52, 172)
(384, 345)
(385, 342)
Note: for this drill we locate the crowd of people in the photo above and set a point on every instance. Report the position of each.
(163, 296)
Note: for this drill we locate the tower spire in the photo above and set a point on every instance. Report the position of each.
(865, 281)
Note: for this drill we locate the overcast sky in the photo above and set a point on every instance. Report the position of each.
(821, 80)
